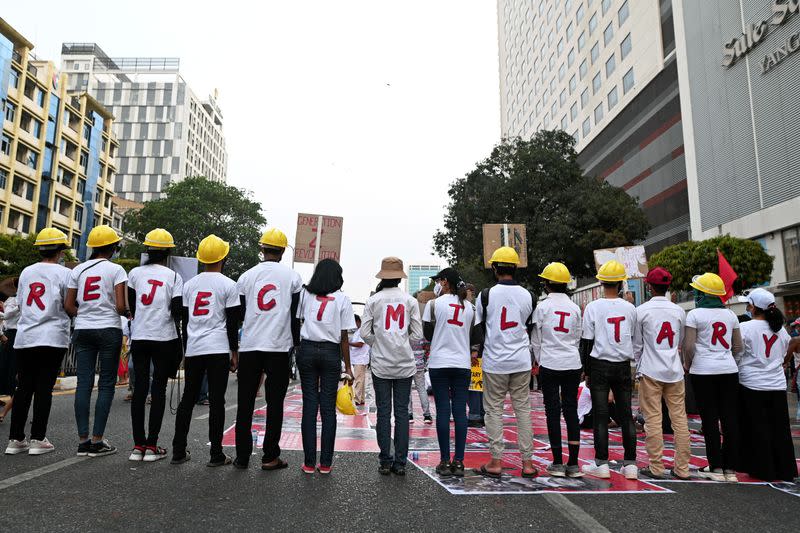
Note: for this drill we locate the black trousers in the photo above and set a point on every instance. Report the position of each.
(161, 354)
(251, 365)
(8, 365)
(766, 435)
(717, 399)
(216, 367)
(616, 377)
(37, 369)
(560, 392)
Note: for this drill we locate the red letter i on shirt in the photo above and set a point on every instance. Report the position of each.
(562, 317)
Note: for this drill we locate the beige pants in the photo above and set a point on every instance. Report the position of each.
(495, 388)
(359, 382)
(674, 394)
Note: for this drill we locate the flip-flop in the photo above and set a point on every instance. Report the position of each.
(531, 475)
(225, 462)
(482, 471)
(277, 466)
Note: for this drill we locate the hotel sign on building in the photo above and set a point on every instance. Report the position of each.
(756, 32)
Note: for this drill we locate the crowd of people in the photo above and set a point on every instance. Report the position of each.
(213, 326)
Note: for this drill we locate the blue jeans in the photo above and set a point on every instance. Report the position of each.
(90, 345)
(390, 392)
(450, 387)
(475, 403)
(319, 364)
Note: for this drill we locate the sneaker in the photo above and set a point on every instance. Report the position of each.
(308, 469)
(399, 470)
(730, 475)
(457, 468)
(385, 469)
(646, 472)
(137, 454)
(17, 446)
(154, 453)
(428, 420)
(222, 460)
(630, 472)
(410, 418)
(443, 469)
(325, 470)
(84, 448)
(673, 475)
(574, 471)
(99, 449)
(240, 465)
(40, 447)
(600, 471)
(555, 470)
(713, 475)
(180, 458)
(475, 423)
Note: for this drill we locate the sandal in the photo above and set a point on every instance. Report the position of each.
(225, 460)
(494, 475)
(276, 466)
(531, 475)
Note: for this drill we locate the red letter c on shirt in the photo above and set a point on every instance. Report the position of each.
(266, 306)
(91, 288)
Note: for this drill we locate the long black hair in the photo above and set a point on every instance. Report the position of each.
(456, 284)
(327, 278)
(772, 315)
(387, 284)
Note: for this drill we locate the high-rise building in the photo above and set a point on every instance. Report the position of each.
(166, 132)
(57, 148)
(419, 276)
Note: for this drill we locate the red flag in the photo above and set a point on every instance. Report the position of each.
(728, 275)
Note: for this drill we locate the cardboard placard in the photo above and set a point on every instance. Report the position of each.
(633, 257)
(497, 235)
(306, 246)
(476, 379)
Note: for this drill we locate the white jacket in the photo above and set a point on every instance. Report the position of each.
(390, 321)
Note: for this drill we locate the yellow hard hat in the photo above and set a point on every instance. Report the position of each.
(102, 235)
(50, 237)
(275, 238)
(709, 283)
(505, 254)
(344, 400)
(159, 238)
(556, 272)
(612, 271)
(212, 249)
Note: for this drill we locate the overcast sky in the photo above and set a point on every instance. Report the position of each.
(360, 109)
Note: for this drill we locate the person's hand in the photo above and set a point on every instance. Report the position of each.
(348, 375)
(3, 339)
(474, 361)
(234, 361)
(586, 379)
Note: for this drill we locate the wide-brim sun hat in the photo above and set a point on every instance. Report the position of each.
(391, 268)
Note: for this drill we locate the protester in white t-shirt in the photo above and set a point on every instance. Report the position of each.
(767, 450)
(712, 344)
(155, 295)
(607, 352)
(96, 298)
(8, 359)
(211, 312)
(505, 312)
(41, 342)
(657, 340)
(359, 359)
(269, 293)
(448, 323)
(327, 316)
(555, 338)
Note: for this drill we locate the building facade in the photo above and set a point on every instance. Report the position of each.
(166, 133)
(419, 276)
(57, 148)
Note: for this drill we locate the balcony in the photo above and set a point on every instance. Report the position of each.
(16, 56)
(24, 170)
(63, 220)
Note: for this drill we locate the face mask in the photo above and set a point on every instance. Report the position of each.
(748, 313)
(437, 290)
(261, 257)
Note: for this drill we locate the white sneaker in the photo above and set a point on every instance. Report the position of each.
(17, 446)
(730, 475)
(600, 471)
(40, 447)
(154, 453)
(137, 454)
(630, 472)
(713, 475)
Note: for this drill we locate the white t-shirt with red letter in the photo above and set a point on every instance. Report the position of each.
(454, 319)
(610, 322)
(325, 317)
(42, 319)
(95, 281)
(268, 288)
(207, 296)
(155, 286)
(657, 337)
(761, 367)
(557, 333)
(712, 353)
(506, 348)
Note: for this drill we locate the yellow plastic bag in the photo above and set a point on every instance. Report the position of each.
(344, 400)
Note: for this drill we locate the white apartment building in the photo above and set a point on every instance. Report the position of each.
(166, 132)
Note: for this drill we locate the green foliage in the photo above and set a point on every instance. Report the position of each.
(537, 182)
(685, 260)
(17, 252)
(194, 208)
(127, 264)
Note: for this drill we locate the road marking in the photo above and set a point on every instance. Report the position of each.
(579, 518)
(203, 417)
(27, 476)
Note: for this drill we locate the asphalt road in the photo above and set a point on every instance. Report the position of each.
(59, 492)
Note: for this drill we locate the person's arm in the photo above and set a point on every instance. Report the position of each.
(232, 315)
(176, 308)
(120, 299)
(71, 302)
(294, 319)
(689, 346)
(11, 309)
(536, 343)
(185, 326)
(345, 344)
(794, 346)
(415, 325)
(366, 325)
(132, 299)
(737, 346)
(638, 339)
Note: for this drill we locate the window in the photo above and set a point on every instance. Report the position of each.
(592, 24)
(562, 72)
(564, 122)
(584, 98)
(571, 57)
(3, 178)
(560, 47)
(573, 83)
(570, 31)
(581, 41)
(587, 127)
(78, 214)
(623, 13)
(19, 221)
(39, 97)
(579, 15)
(554, 110)
(81, 185)
(87, 132)
(552, 62)
(562, 98)
(596, 81)
(611, 65)
(595, 53)
(10, 111)
(573, 111)
(791, 253)
(553, 87)
(550, 14)
(606, 5)
(5, 144)
(22, 188)
(608, 33)
(13, 78)
(612, 98)
(625, 47)
(627, 81)
(576, 136)
(84, 161)
(559, 22)
(65, 177)
(583, 69)
(598, 113)
(61, 206)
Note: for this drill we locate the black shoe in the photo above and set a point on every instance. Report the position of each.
(410, 417)
(239, 465)
(428, 419)
(222, 460)
(444, 469)
(180, 458)
(398, 470)
(385, 470)
(475, 424)
(457, 468)
(83, 448)
(99, 449)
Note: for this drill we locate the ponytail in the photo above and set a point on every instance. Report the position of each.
(774, 318)
(461, 292)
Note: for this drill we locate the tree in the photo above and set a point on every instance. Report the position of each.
(17, 252)
(194, 208)
(687, 259)
(537, 182)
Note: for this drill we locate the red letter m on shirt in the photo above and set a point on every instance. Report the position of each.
(395, 314)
